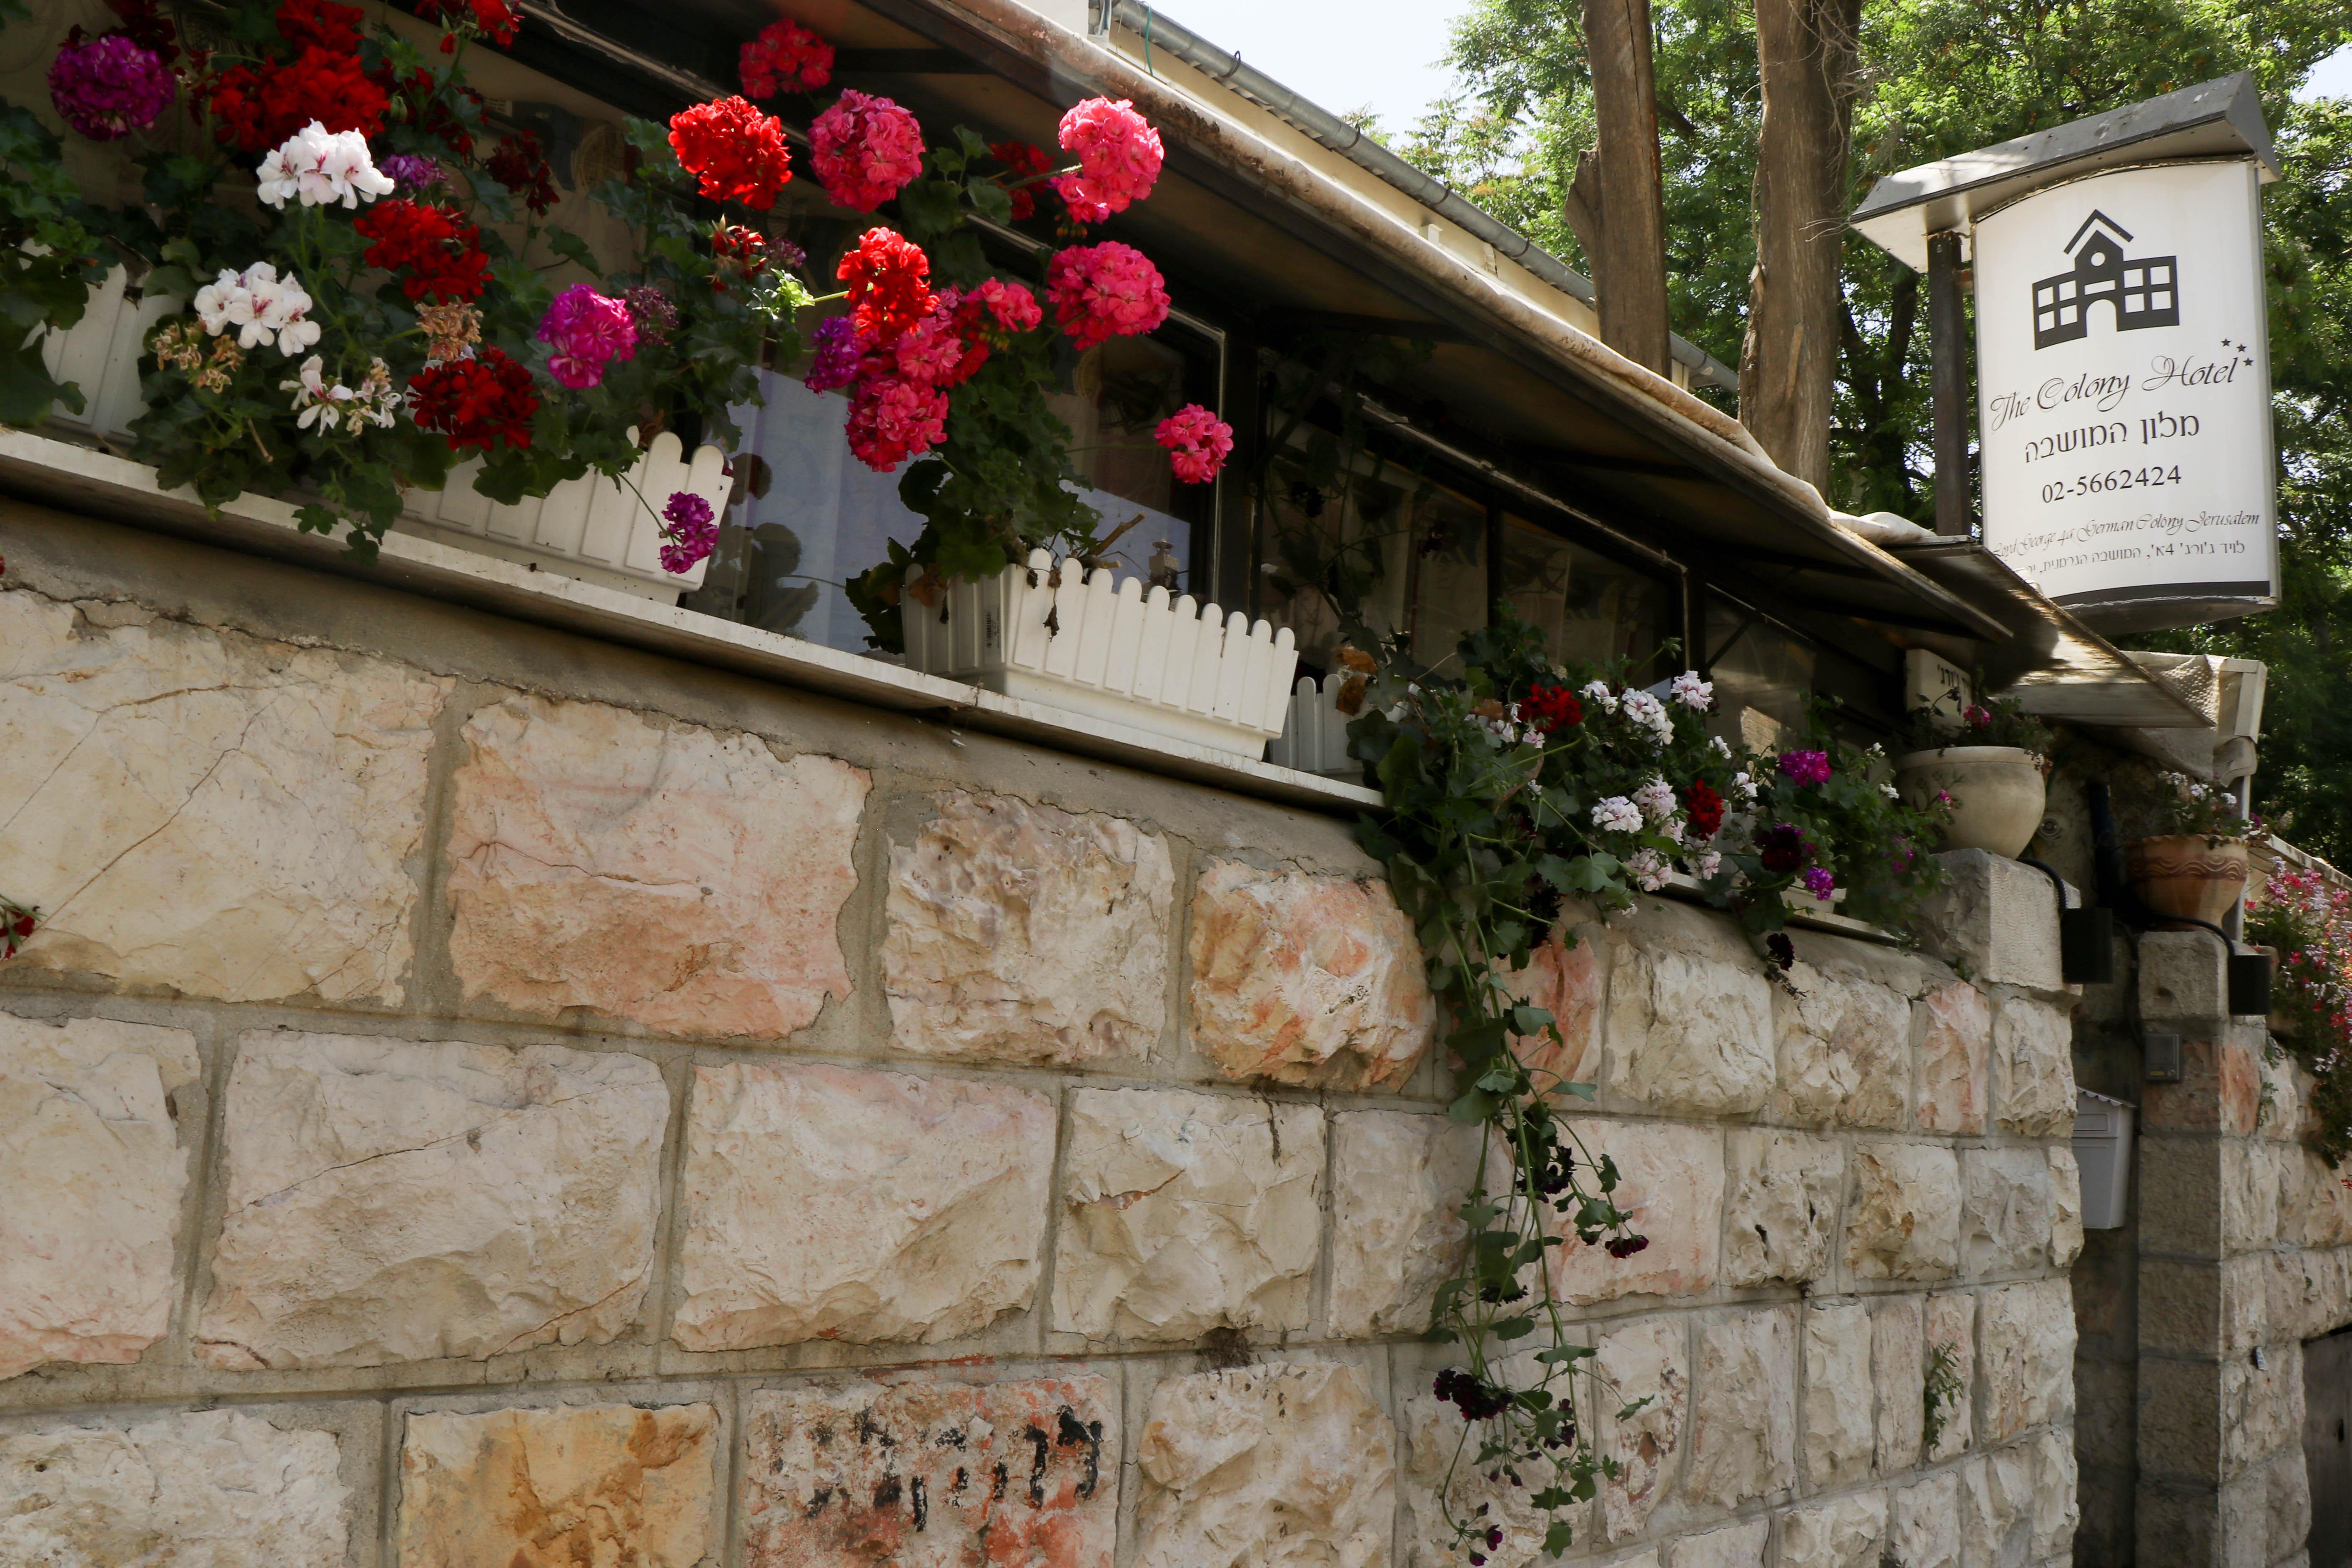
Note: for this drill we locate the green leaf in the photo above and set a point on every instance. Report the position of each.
(1560, 1537)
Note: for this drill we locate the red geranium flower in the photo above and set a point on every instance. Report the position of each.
(1548, 707)
(439, 252)
(738, 152)
(889, 288)
(257, 107)
(1704, 808)
(521, 168)
(1028, 162)
(484, 402)
(321, 23)
(785, 57)
(493, 18)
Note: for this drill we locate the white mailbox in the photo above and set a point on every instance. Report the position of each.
(2102, 1142)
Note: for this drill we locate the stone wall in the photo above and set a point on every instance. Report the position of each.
(485, 1100)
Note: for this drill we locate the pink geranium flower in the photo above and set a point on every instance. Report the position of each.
(1118, 158)
(1105, 291)
(1198, 442)
(587, 332)
(865, 149)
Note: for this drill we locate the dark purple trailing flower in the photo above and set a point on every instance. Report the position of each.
(836, 365)
(689, 530)
(656, 317)
(1782, 949)
(1818, 882)
(414, 171)
(1783, 848)
(108, 87)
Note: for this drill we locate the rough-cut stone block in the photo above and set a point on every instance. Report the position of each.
(1571, 984)
(2250, 1195)
(1923, 1523)
(2065, 1208)
(1184, 1213)
(2184, 982)
(1954, 1028)
(1282, 1465)
(830, 1203)
(1398, 1184)
(1845, 1046)
(2033, 1058)
(561, 1488)
(1689, 1032)
(2005, 1215)
(2055, 1510)
(2220, 1089)
(1997, 1508)
(2025, 1339)
(1305, 980)
(1738, 1545)
(1994, 919)
(2280, 1104)
(1952, 1328)
(2287, 1506)
(93, 1172)
(665, 875)
(394, 1200)
(1648, 1359)
(217, 1488)
(1022, 933)
(1836, 1434)
(1672, 1187)
(1780, 1212)
(1844, 1532)
(2261, 1406)
(1903, 1216)
(932, 1474)
(208, 813)
(1898, 1353)
(1743, 1407)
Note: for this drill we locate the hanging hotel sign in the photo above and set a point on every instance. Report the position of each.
(2123, 386)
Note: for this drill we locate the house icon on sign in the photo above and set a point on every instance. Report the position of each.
(2143, 291)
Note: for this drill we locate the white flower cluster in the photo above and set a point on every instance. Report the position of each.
(1617, 815)
(1707, 864)
(1721, 747)
(1692, 693)
(1507, 731)
(330, 407)
(1598, 692)
(319, 167)
(1745, 785)
(264, 308)
(1656, 800)
(1650, 713)
(1648, 870)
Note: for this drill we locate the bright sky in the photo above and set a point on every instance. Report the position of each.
(1346, 55)
(2332, 79)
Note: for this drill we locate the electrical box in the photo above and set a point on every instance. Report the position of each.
(2103, 1144)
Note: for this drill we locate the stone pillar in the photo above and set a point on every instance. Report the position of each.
(2221, 1398)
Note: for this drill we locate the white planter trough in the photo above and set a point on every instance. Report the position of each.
(1315, 738)
(593, 527)
(1106, 647)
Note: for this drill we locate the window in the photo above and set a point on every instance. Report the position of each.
(1762, 676)
(1590, 609)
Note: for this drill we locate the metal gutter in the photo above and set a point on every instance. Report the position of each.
(1351, 142)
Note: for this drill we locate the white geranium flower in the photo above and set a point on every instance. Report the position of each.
(1598, 692)
(1617, 815)
(1890, 791)
(1649, 871)
(1692, 693)
(264, 308)
(321, 167)
(1721, 747)
(1656, 800)
(1708, 864)
(1745, 785)
(214, 298)
(1650, 713)
(315, 402)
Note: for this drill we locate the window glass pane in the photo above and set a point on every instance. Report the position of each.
(1449, 593)
(1761, 678)
(1328, 551)
(1591, 608)
(1119, 394)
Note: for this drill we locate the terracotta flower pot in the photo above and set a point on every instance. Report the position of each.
(2186, 877)
(1997, 794)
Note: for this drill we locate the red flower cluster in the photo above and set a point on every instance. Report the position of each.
(785, 57)
(738, 152)
(735, 252)
(255, 108)
(1029, 163)
(493, 18)
(320, 25)
(890, 289)
(427, 111)
(1548, 707)
(438, 252)
(483, 401)
(1703, 807)
(521, 168)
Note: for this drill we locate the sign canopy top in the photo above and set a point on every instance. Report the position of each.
(2214, 119)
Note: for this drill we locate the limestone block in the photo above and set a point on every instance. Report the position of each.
(2281, 1100)
(1743, 1407)
(2055, 1510)
(2184, 982)
(1186, 1212)
(1836, 1436)
(1898, 1370)
(1571, 984)
(1646, 1359)
(1845, 1050)
(1280, 1466)
(213, 1488)
(1738, 1545)
(92, 1167)
(1398, 1183)
(1689, 1031)
(1923, 1523)
(2287, 1506)
(1780, 1213)
(2033, 1058)
(1955, 1028)
(2025, 1339)
(1994, 920)
(662, 874)
(2220, 1089)
(2249, 1195)
(1671, 1185)
(396, 1200)
(2005, 1216)
(573, 1484)
(1845, 1532)
(1903, 1213)
(2261, 1407)
(1305, 980)
(925, 1474)
(1436, 1472)
(278, 793)
(1997, 1506)
(830, 1203)
(2065, 1208)
(1022, 933)
(1952, 1327)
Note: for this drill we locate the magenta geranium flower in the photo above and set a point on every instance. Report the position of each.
(689, 530)
(1805, 767)
(587, 332)
(107, 87)
(1197, 441)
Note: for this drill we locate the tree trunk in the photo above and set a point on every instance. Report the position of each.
(1808, 51)
(1616, 204)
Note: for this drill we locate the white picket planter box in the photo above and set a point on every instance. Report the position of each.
(603, 530)
(1315, 738)
(1106, 648)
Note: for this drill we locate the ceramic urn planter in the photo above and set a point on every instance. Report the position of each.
(1997, 794)
(2187, 876)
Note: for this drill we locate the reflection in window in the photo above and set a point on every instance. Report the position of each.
(1761, 676)
(1449, 587)
(1336, 555)
(1590, 608)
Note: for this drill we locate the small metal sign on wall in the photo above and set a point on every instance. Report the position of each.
(2123, 367)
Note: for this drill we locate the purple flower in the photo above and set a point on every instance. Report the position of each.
(1818, 882)
(688, 531)
(587, 331)
(107, 87)
(787, 255)
(1805, 767)
(1783, 848)
(414, 171)
(837, 355)
(656, 318)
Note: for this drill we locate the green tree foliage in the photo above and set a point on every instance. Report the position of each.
(1943, 76)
